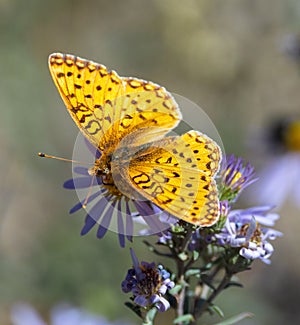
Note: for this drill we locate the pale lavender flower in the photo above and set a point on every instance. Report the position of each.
(246, 229)
(24, 314)
(279, 181)
(165, 238)
(148, 283)
(291, 46)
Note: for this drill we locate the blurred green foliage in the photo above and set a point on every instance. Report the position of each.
(224, 55)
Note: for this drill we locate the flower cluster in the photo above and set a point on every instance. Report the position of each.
(228, 247)
(246, 229)
(148, 283)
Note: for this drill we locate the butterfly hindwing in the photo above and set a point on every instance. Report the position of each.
(205, 151)
(168, 174)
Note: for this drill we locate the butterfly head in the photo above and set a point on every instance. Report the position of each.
(102, 167)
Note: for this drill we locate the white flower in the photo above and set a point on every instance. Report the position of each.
(24, 314)
(279, 181)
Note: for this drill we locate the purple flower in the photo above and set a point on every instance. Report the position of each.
(279, 181)
(246, 230)
(24, 314)
(199, 240)
(165, 238)
(235, 177)
(148, 283)
(109, 211)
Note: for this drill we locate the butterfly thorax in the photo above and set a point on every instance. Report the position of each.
(112, 168)
(102, 169)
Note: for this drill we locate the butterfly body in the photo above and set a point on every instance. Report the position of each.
(127, 120)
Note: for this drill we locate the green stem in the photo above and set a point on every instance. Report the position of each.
(181, 298)
(149, 317)
(187, 238)
(155, 251)
(226, 279)
(181, 270)
(147, 322)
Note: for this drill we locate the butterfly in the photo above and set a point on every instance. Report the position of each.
(127, 120)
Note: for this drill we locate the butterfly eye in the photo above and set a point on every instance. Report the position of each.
(98, 171)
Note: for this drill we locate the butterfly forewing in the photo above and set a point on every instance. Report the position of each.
(107, 107)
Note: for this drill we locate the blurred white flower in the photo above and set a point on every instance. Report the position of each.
(24, 314)
(279, 181)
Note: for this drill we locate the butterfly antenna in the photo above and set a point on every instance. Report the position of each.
(43, 155)
(85, 202)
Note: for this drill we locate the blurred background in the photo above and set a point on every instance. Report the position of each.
(226, 56)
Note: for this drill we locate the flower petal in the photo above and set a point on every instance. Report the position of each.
(89, 224)
(97, 210)
(81, 170)
(120, 225)
(81, 182)
(78, 206)
(136, 264)
(148, 214)
(141, 301)
(154, 299)
(129, 222)
(105, 222)
(93, 150)
(163, 305)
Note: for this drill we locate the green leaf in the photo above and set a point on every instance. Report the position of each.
(185, 319)
(195, 255)
(217, 310)
(183, 256)
(136, 309)
(176, 289)
(178, 228)
(192, 272)
(236, 318)
(151, 314)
